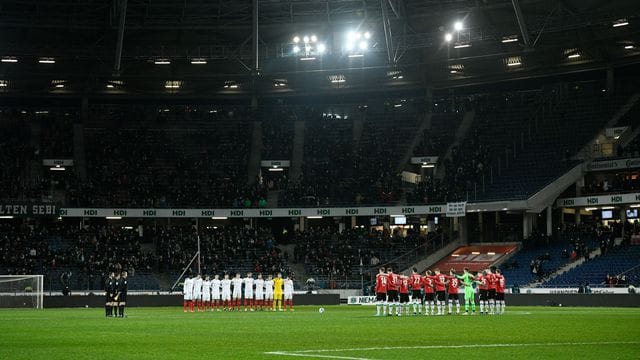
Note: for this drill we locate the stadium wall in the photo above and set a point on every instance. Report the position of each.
(152, 300)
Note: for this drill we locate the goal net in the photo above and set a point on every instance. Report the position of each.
(21, 291)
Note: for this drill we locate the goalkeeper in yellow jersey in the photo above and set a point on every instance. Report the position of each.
(277, 292)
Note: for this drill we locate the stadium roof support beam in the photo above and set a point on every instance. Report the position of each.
(521, 23)
(118, 60)
(386, 25)
(256, 59)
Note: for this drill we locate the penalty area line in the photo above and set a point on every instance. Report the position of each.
(319, 353)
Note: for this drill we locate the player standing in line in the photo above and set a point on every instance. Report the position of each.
(469, 291)
(248, 292)
(440, 280)
(109, 292)
(268, 292)
(206, 293)
(236, 298)
(483, 289)
(454, 297)
(429, 294)
(187, 291)
(114, 297)
(416, 295)
(393, 282)
(259, 283)
(197, 292)
(288, 293)
(404, 295)
(122, 293)
(381, 292)
(226, 293)
(277, 292)
(502, 284)
(492, 281)
(215, 293)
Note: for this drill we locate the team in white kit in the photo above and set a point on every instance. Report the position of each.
(206, 294)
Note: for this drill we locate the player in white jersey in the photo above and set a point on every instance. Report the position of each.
(197, 291)
(288, 293)
(206, 293)
(268, 292)
(226, 292)
(259, 293)
(248, 292)
(215, 293)
(236, 297)
(187, 291)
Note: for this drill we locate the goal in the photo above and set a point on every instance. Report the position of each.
(21, 291)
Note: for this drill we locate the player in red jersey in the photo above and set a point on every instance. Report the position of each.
(416, 294)
(502, 284)
(453, 291)
(404, 294)
(492, 282)
(440, 280)
(381, 292)
(427, 282)
(393, 282)
(483, 288)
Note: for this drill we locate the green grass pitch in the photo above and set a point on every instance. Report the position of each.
(341, 332)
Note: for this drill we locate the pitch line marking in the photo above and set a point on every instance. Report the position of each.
(316, 353)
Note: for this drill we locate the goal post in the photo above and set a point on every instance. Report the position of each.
(21, 291)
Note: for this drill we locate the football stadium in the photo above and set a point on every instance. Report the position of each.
(322, 179)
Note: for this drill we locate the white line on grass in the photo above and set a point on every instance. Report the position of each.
(316, 352)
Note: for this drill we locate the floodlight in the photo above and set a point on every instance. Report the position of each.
(321, 48)
(364, 45)
(458, 26)
(314, 38)
(199, 61)
(307, 48)
(305, 39)
(296, 49)
(367, 35)
(349, 46)
(47, 61)
(296, 39)
(9, 60)
(628, 47)
(448, 37)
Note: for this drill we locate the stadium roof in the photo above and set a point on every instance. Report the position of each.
(74, 43)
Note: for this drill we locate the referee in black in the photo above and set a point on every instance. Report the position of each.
(121, 297)
(109, 288)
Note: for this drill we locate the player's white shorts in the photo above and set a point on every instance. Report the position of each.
(215, 295)
(226, 296)
(268, 295)
(288, 296)
(206, 296)
(197, 295)
(237, 294)
(188, 296)
(248, 294)
(259, 295)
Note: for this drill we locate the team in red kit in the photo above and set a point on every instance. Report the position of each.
(429, 294)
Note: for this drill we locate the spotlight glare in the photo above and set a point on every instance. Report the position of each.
(305, 39)
(448, 37)
(573, 56)
(367, 35)
(349, 46)
(314, 38)
(307, 48)
(296, 39)
(321, 48)
(458, 26)
(628, 47)
(358, 36)
(364, 45)
(296, 49)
